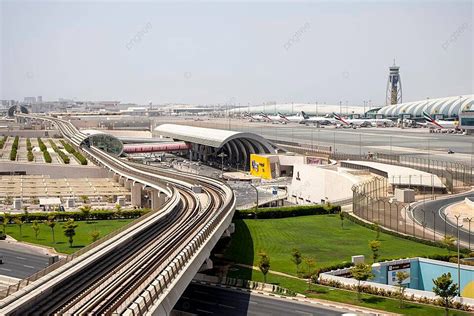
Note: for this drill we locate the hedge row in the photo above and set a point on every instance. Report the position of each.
(14, 150)
(287, 211)
(41, 145)
(47, 156)
(61, 154)
(3, 141)
(74, 152)
(68, 147)
(393, 233)
(76, 215)
(30, 155)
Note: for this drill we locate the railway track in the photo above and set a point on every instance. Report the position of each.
(110, 284)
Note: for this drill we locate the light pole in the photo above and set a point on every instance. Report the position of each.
(434, 225)
(459, 267)
(256, 191)
(469, 235)
(222, 155)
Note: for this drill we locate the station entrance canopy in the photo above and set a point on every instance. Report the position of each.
(208, 143)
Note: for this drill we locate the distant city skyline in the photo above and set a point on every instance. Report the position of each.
(231, 53)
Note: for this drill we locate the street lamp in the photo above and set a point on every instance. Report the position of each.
(459, 259)
(222, 155)
(256, 191)
(469, 235)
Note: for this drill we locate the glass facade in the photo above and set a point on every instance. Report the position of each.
(107, 143)
(467, 121)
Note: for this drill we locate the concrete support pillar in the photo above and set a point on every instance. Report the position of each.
(128, 184)
(137, 194)
(207, 265)
(122, 181)
(110, 174)
(157, 199)
(116, 177)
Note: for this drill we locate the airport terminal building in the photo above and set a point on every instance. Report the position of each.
(450, 107)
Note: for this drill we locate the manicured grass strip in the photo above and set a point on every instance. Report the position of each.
(318, 236)
(342, 296)
(82, 238)
(61, 154)
(74, 152)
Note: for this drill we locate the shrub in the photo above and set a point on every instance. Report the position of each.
(68, 147)
(61, 154)
(287, 211)
(41, 145)
(3, 141)
(28, 145)
(47, 156)
(77, 215)
(13, 154)
(30, 156)
(80, 157)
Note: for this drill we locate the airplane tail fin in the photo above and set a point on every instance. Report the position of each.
(304, 115)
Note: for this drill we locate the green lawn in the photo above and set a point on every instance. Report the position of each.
(81, 239)
(337, 295)
(319, 236)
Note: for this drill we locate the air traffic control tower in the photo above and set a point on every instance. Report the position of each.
(394, 86)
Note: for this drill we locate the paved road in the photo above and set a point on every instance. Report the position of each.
(438, 207)
(20, 264)
(208, 300)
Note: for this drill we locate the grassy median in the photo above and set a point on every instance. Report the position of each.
(320, 237)
(82, 238)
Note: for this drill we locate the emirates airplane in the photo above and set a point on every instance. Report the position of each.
(443, 124)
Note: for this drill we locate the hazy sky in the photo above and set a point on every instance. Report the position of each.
(234, 52)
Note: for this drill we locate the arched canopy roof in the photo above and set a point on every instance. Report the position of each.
(211, 137)
(104, 141)
(17, 108)
(448, 107)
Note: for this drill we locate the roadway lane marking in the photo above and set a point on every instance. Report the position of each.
(201, 292)
(26, 266)
(4, 269)
(226, 306)
(21, 258)
(203, 311)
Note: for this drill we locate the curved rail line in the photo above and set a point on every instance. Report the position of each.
(113, 278)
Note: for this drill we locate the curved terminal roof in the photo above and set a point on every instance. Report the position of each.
(216, 138)
(17, 108)
(104, 141)
(448, 107)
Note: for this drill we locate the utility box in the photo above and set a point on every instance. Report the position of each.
(17, 203)
(405, 195)
(70, 202)
(358, 259)
(121, 200)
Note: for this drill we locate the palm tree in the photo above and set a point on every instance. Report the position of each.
(69, 229)
(36, 228)
(51, 223)
(264, 265)
(19, 222)
(86, 211)
(448, 242)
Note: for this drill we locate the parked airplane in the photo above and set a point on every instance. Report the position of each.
(353, 122)
(257, 118)
(439, 123)
(322, 120)
(298, 118)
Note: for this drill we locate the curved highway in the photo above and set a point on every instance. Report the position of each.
(114, 276)
(433, 216)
